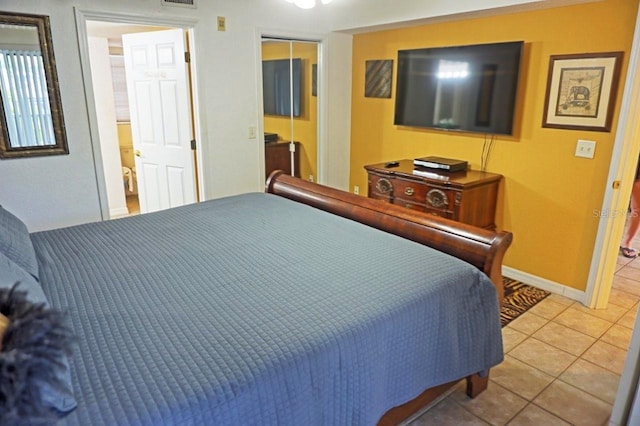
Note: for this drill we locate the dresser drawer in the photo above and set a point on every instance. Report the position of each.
(414, 192)
(396, 188)
(410, 204)
(442, 213)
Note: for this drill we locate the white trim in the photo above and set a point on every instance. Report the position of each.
(622, 168)
(85, 66)
(197, 117)
(321, 40)
(129, 18)
(186, 23)
(545, 284)
(627, 403)
(322, 91)
(119, 212)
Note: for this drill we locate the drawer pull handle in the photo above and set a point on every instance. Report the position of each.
(409, 206)
(384, 186)
(408, 190)
(437, 198)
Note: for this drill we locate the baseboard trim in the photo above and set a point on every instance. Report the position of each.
(545, 284)
(119, 212)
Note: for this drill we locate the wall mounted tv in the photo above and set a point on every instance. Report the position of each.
(465, 88)
(276, 88)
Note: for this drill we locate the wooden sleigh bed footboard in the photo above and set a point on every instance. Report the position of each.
(482, 248)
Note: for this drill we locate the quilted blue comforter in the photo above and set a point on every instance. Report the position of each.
(256, 310)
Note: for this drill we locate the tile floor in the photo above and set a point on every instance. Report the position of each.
(133, 205)
(562, 364)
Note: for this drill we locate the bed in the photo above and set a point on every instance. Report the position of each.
(286, 307)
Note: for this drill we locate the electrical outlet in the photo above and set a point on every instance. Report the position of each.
(356, 190)
(252, 132)
(310, 178)
(585, 149)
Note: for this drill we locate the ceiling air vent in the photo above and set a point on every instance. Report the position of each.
(179, 3)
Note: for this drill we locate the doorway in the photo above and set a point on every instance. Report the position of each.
(290, 106)
(130, 174)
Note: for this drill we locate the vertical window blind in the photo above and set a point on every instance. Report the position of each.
(23, 85)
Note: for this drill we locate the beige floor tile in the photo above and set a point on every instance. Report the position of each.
(547, 308)
(629, 319)
(528, 323)
(511, 338)
(635, 263)
(626, 284)
(622, 298)
(447, 413)
(520, 378)
(543, 356)
(607, 356)
(592, 379)
(629, 272)
(563, 300)
(582, 322)
(612, 313)
(621, 261)
(573, 405)
(496, 405)
(619, 336)
(532, 415)
(565, 338)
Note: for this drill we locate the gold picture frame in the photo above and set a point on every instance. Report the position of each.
(581, 91)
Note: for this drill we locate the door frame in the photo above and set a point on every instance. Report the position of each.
(187, 24)
(323, 45)
(622, 170)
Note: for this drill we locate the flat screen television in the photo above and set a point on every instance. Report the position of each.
(276, 88)
(466, 88)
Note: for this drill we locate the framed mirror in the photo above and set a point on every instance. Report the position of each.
(31, 122)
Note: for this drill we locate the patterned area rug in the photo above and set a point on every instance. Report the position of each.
(518, 298)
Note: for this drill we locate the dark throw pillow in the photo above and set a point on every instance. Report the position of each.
(34, 371)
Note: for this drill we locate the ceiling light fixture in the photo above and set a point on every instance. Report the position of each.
(307, 4)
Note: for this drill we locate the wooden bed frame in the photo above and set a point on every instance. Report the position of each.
(482, 248)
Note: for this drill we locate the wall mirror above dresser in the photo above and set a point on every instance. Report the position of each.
(31, 122)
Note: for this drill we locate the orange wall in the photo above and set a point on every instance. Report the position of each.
(549, 198)
(305, 127)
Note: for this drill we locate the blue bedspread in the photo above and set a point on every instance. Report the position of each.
(256, 310)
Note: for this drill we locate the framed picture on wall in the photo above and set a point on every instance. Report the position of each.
(581, 91)
(378, 76)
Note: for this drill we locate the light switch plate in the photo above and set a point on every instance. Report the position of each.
(222, 23)
(585, 149)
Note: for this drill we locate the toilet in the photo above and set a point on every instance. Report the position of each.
(129, 180)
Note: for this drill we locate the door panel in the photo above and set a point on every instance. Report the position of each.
(150, 198)
(175, 178)
(170, 114)
(160, 118)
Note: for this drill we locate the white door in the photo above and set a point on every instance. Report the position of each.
(160, 118)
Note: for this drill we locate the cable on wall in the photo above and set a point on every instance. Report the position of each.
(487, 146)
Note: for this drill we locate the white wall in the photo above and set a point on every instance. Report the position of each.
(49, 192)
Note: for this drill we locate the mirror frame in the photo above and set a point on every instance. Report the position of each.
(41, 23)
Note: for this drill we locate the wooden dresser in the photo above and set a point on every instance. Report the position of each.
(278, 157)
(469, 196)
